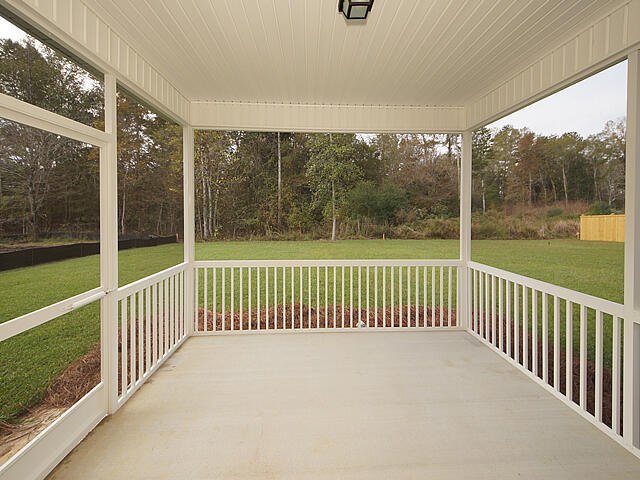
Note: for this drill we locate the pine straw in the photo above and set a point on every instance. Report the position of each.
(295, 316)
(76, 381)
(70, 386)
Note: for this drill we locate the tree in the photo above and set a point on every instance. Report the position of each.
(606, 157)
(279, 181)
(331, 170)
(562, 153)
(482, 154)
(379, 203)
(32, 159)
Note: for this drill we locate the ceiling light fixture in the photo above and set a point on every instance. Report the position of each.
(355, 9)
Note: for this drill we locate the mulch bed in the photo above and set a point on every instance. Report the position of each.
(70, 386)
(76, 381)
(295, 316)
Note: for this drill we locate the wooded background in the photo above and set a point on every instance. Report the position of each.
(283, 185)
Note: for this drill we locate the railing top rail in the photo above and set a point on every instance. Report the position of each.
(150, 280)
(329, 263)
(31, 320)
(597, 303)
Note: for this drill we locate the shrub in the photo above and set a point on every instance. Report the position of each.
(439, 211)
(488, 228)
(555, 212)
(378, 203)
(600, 208)
(404, 231)
(565, 228)
(441, 228)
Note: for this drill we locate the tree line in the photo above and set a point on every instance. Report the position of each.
(268, 184)
(51, 183)
(515, 167)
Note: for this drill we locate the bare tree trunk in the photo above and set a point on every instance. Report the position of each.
(205, 231)
(564, 185)
(124, 203)
(209, 209)
(33, 221)
(279, 181)
(159, 220)
(215, 212)
(530, 189)
(333, 212)
(484, 201)
(459, 166)
(554, 189)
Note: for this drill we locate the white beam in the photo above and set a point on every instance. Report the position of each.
(631, 357)
(292, 117)
(465, 225)
(189, 222)
(33, 116)
(109, 246)
(77, 29)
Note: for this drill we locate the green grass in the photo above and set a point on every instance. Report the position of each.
(596, 268)
(28, 362)
(321, 249)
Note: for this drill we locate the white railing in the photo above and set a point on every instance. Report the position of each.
(545, 330)
(243, 296)
(152, 325)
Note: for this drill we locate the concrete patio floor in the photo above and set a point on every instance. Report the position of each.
(374, 405)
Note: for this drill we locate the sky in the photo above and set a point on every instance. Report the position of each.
(8, 30)
(584, 107)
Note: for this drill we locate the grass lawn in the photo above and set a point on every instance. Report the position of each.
(29, 361)
(595, 268)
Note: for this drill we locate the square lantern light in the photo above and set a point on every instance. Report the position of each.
(355, 9)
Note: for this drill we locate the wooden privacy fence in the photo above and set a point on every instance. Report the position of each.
(604, 228)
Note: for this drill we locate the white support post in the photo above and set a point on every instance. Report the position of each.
(109, 247)
(189, 224)
(631, 356)
(465, 229)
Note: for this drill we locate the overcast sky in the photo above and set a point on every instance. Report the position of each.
(584, 107)
(8, 30)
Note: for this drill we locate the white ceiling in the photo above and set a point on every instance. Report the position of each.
(409, 52)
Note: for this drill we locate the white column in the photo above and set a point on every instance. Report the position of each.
(631, 360)
(465, 227)
(189, 223)
(109, 247)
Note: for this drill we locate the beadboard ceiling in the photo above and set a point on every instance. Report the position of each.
(408, 52)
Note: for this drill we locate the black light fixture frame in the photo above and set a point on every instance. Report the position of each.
(344, 6)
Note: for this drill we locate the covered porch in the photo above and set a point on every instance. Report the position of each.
(364, 368)
(377, 404)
